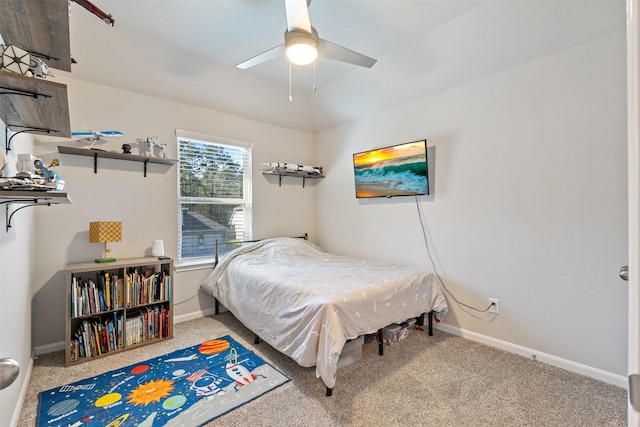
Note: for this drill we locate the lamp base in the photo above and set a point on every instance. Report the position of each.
(103, 260)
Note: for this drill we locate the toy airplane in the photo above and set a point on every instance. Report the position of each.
(94, 136)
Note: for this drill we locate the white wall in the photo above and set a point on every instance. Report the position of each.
(529, 204)
(147, 207)
(17, 263)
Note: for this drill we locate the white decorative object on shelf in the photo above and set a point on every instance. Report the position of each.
(158, 248)
(152, 141)
(293, 167)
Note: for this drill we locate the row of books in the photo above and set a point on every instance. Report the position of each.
(96, 337)
(102, 335)
(147, 286)
(112, 292)
(147, 324)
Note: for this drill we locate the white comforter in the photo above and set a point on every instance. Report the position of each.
(306, 303)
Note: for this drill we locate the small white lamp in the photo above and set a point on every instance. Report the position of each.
(157, 249)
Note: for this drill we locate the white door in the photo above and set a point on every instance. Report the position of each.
(633, 111)
(9, 346)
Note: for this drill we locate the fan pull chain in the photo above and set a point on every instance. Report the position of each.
(314, 76)
(290, 95)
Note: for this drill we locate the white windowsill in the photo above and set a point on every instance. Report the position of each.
(201, 264)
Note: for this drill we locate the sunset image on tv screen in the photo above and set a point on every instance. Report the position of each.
(400, 170)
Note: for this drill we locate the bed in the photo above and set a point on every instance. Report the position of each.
(306, 303)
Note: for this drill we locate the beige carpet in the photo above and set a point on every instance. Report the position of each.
(442, 380)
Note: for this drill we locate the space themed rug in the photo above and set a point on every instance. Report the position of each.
(188, 387)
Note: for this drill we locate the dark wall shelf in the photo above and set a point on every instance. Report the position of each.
(111, 155)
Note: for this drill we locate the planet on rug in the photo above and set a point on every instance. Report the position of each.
(187, 387)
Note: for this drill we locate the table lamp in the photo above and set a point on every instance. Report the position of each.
(158, 248)
(105, 232)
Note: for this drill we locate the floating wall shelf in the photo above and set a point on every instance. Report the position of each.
(111, 155)
(30, 198)
(302, 174)
(32, 104)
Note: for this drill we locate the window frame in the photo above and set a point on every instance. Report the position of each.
(246, 201)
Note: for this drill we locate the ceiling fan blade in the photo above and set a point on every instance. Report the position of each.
(297, 15)
(263, 57)
(340, 53)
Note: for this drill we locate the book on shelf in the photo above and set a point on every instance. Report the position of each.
(146, 286)
(147, 323)
(89, 297)
(107, 290)
(96, 337)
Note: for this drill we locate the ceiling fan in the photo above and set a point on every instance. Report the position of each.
(302, 44)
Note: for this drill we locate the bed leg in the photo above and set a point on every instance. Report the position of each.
(329, 392)
(216, 309)
(431, 323)
(256, 340)
(380, 343)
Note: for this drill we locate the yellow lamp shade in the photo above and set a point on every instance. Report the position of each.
(105, 232)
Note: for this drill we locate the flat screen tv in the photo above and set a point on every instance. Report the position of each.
(398, 170)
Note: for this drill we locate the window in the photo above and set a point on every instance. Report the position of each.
(214, 195)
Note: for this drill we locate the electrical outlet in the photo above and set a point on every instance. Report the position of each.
(494, 305)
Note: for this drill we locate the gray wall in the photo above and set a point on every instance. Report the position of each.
(529, 204)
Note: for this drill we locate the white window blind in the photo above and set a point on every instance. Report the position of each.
(214, 195)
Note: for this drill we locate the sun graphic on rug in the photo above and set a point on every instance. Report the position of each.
(150, 392)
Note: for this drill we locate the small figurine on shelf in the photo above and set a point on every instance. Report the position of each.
(152, 142)
(34, 175)
(51, 177)
(126, 149)
(19, 61)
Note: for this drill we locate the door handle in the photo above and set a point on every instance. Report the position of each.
(9, 370)
(624, 272)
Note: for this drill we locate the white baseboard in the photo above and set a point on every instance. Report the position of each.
(598, 374)
(193, 315)
(23, 394)
(48, 348)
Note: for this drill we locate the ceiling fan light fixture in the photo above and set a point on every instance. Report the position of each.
(301, 47)
(302, 53)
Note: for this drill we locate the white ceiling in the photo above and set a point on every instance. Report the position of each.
(186, 50)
